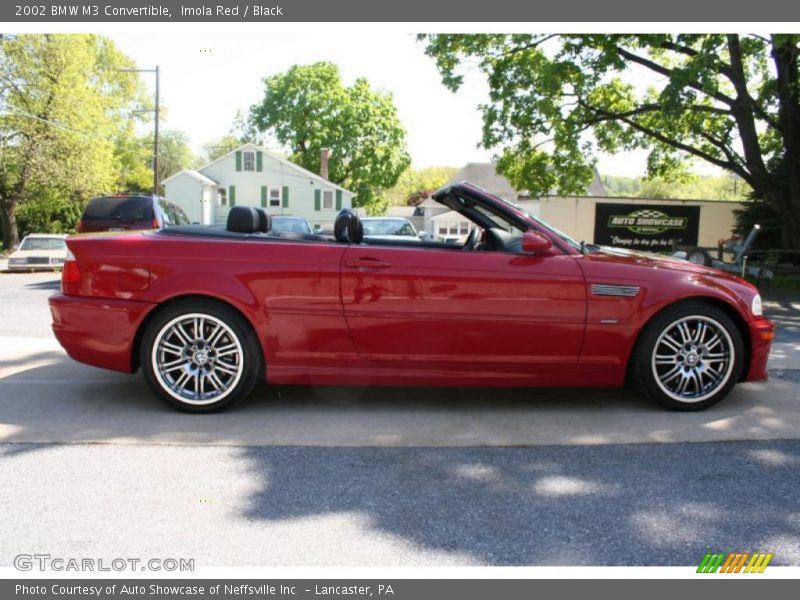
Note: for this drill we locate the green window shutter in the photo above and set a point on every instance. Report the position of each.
(238, 160)
(263, 196)
(317, 200)
(285, 196)
(338, 199)
(232, 195)
(259, 161)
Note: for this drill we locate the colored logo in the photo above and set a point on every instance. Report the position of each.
(647, 221)
(735, 562)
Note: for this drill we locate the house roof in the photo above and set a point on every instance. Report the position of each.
(430, 203)
(292, 166)
(401, 211)
(449, 215)
(485, 175)
(194, 175)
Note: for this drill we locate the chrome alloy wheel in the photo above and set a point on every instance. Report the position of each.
(693, 358)
(197, 359)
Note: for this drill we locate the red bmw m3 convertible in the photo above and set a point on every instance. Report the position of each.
(205, 311)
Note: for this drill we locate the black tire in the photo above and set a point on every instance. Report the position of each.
(208, 342)
(679, 364)
(699, 256)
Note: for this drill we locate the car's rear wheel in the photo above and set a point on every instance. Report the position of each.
(689, 356)
(200, 356)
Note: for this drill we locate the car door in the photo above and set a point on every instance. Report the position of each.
(433, 307)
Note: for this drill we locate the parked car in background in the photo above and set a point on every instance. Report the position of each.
(388, 227)
(39, 251)
(122, 212)
(281, 224)
(206, 312)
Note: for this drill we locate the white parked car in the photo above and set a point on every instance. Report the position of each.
(390, 228)
(39, 251)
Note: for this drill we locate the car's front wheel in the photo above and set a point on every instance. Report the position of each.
(200, 356)
(689, 356)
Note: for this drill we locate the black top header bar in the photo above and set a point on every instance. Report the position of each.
(712, 12)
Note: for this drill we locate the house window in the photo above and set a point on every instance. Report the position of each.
(442, 230)
(248, 161)
(464, 228)
(222, 196)
(275, 197)
(327, 200)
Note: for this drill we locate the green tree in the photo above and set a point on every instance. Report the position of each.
(308, 108)
(174, 153)
(49, 211)
(221, 146)
(133, 159)
(64, 102)
(618, 185)
(730, 100)
(414, 184)
(725, 187)
(242, 131)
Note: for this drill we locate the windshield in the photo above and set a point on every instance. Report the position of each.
(552, 229)
(43, 244)
(399, 227)
(284, 225)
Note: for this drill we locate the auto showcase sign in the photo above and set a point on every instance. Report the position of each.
(646, 227)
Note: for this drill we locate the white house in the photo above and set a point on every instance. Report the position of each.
(253, 176)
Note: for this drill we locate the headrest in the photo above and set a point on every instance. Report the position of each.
(347, 227)
(264, 220)
(243, 219)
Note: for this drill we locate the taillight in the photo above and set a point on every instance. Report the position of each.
(71, 275)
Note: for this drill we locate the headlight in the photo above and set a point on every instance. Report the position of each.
(755, 306)
(18, 261)
(56, 261)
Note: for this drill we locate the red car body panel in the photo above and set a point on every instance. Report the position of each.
(333, 313)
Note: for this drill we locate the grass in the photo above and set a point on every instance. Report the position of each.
(786, 282)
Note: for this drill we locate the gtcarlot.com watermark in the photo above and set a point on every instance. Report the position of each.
(47, 562)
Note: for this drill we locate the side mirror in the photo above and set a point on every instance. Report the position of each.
(534, 242)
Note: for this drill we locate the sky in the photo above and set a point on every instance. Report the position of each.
(206, 78)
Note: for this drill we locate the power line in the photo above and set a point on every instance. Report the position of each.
(57, 125)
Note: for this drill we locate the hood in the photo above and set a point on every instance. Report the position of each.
(652, 260)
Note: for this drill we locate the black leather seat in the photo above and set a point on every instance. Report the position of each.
(264, 220)
(243, 219)
(347, 228)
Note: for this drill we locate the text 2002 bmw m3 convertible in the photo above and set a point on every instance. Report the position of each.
(205, 312)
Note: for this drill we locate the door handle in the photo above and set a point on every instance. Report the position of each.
(366, 262)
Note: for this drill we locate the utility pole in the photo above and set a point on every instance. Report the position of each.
(157, 111)
(156, 182)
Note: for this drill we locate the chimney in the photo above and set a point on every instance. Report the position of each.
(324, 154)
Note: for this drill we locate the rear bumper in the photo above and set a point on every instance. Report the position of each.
(98, 331)
(761, 333)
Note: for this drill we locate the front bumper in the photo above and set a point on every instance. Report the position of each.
(27, 267)
(98, 331)
(761, 333)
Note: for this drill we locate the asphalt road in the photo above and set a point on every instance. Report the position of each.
(356, 476)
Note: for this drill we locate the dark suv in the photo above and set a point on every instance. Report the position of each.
(130, 211)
